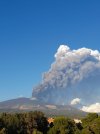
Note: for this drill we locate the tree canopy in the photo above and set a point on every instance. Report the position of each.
(37, 123)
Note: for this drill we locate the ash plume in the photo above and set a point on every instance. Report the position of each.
(73, 74)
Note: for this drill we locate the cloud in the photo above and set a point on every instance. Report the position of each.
(73, 73)
(93, 108)
(75, 101)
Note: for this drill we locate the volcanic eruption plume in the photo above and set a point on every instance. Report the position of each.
(73, 74)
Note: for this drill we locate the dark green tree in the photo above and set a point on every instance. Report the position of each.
(63, 125)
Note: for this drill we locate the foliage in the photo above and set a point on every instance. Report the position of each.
(36, 123)
(23, 123)
(63, 125)
(90, 117)
(91, 124)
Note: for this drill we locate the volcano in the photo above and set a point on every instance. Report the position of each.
(31, 104)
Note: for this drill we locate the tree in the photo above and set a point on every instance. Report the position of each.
(87, 120)
(95, 126)
(63, 125)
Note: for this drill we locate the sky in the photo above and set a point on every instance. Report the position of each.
(31, 32)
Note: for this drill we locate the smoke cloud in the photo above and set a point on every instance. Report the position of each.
(93, 108)
(73, 74)
(75, 101)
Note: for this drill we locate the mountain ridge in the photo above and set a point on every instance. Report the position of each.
(32, 104)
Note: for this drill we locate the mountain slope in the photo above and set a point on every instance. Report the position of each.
(27, 104)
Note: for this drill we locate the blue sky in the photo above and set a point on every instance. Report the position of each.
(32, 30)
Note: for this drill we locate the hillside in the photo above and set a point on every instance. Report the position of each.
(27, 104)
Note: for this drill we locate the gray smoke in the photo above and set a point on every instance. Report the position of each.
(74, 74)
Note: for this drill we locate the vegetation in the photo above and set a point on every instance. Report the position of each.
(23, 123)
(37, 123)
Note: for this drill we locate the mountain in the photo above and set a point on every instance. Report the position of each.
(32, 104)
